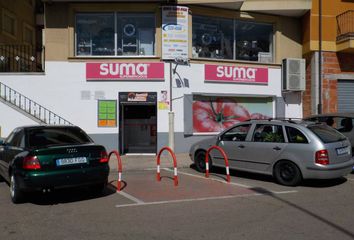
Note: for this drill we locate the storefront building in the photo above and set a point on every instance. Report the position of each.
(329, 39)
(119, 69)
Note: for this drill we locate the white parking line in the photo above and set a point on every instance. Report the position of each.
(230, 183)
(134, 199)
(138, 202)
(198, 199)
(213, 179)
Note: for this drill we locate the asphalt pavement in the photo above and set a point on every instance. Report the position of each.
(251, 207)
(143, 161)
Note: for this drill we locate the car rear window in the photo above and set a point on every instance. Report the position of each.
(326, 133)
(56, 136)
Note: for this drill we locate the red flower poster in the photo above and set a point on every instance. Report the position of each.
(211, 114)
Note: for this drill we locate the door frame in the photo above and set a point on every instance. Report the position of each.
(123, 101)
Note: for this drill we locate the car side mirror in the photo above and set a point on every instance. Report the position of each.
(2, 142)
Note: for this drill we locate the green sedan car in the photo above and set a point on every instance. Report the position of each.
(43, 158)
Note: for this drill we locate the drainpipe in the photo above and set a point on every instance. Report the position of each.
(320, 57)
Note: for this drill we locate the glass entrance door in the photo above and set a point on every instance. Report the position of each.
(138, 128)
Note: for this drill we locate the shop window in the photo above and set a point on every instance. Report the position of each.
(219, 38)
(253, 41)
(9, 23)
(136, 34)
(212, 38)
(212, 114)
(96, 34)
(107, 113)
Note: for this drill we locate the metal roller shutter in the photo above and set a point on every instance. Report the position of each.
(345, 93)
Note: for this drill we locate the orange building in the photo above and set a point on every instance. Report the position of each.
(335, 41)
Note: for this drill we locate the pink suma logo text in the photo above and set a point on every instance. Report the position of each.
(124, 69)
(236, 73)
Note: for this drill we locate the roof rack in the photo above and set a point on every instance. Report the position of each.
(290, 120)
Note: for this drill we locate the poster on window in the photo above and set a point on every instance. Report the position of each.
(164, 103)
(215, 114)
(174, 32)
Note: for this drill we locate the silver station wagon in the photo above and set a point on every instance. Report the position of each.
(289, 150)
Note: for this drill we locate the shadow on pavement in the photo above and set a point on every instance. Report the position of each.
(68, 195)
(306, 211)
(324, 183)
(315, 183)
(221, 173)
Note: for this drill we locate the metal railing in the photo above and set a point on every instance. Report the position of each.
(30, 107)
(345, 25)
(21, 58)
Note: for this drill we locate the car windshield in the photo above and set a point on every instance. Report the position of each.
(326, 133)
(56, 136)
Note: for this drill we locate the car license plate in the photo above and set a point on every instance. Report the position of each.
(69, 161)
(343, 150)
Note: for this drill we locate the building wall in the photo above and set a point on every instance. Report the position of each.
(24, 13)
(330, 10)
(56, 32)
(335, 66)
(60, 21)
(61, 87)
(337, 57)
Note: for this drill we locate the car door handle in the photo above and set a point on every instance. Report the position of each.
(241, 146)
(277, 148)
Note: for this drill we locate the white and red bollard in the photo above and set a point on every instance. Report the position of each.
(225, 158)
(120, 168)
(158, 175)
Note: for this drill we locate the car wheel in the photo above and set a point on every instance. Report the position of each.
(199, 161)
(15, 192)
(287, 173)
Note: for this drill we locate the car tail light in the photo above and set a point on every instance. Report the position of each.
(104, 157)
(31, 163)
(322, 157)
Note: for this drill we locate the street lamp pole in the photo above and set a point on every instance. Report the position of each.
(171, 116)
(319, 107)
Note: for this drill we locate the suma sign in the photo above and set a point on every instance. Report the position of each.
(236, 74)
(125, 71)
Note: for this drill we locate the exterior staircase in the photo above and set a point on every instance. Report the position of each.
(29, 108)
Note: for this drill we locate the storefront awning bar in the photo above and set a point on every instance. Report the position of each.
(105, 1)
(293, 8)
(231, 95)
(226, 4)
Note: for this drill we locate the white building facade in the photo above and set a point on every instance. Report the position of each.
(115, 74)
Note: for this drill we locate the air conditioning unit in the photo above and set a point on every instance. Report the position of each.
(294, 74)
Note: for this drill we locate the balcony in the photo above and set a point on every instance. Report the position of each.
(345, 31)
(21, 59)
